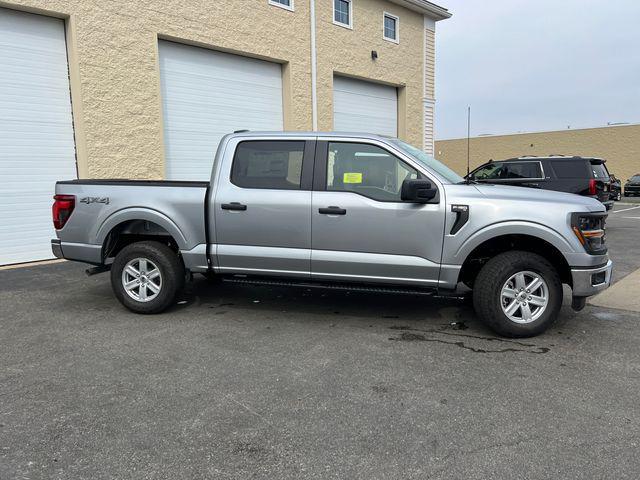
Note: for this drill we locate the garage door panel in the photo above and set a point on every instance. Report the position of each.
(36, 132)
(362, 106)
(208, 94)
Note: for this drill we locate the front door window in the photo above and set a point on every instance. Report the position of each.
(367, 170)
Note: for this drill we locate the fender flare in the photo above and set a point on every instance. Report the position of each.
(147, 214)
(530, 229)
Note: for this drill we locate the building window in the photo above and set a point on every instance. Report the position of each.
(342, 13)
(390, 28)
(286, 4)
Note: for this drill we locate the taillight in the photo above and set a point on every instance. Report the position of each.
(63, 206)
(592, 187)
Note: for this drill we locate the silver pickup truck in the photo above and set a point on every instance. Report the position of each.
(353, 211)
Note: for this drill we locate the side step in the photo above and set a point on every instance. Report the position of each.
(331, 286)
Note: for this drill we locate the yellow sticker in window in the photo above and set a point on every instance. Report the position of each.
(352, 177)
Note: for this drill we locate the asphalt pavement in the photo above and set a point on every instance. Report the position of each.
(255, 382)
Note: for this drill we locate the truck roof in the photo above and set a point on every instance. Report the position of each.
(554, 157)
(296, 134)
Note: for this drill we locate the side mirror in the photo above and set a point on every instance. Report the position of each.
(417, 191)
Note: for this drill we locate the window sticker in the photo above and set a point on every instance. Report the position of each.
(352, 177)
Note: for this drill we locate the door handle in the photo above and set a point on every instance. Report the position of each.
(233, 206)
(332, 211)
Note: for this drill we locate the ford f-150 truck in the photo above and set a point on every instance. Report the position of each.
(353, 211)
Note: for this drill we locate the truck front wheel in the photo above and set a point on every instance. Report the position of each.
(518, 294)
(146, 277)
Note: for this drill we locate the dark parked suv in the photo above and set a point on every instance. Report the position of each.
(632, 187)
(581, 175)
(616, 188)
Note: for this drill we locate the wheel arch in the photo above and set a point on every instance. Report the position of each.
(483, 251)
(131, 225)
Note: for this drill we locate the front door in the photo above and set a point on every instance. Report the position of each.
(362, 231)
(263, 214)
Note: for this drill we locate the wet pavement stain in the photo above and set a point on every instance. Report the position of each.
(409, 335)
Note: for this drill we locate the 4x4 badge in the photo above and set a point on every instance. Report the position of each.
(89, 200)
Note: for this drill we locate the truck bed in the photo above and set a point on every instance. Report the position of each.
(144, 206)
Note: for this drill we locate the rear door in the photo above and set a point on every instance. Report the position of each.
(570, 175)
(262, 207)
(362, 231)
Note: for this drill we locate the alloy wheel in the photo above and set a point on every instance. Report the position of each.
(524, 297)
(141, 279)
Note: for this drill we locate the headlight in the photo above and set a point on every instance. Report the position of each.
(590, 230)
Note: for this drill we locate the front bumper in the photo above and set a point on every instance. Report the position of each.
(589, 281)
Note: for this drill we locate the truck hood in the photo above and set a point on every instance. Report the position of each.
(537, 197)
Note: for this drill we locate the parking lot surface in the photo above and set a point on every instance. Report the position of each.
(256, 382)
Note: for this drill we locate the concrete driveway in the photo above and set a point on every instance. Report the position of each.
(254, 382)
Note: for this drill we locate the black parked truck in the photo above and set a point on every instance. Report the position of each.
(587, 176)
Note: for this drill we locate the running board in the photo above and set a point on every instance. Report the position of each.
(331, 286)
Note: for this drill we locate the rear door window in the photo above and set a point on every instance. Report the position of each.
(599, 171)
(268, 164)
(522, 170)
(570, 168)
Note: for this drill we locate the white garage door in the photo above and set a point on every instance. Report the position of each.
(207, 94)
(36, 132)
(360, 106)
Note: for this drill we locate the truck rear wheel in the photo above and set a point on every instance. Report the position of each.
(518, 294)
(146, 277)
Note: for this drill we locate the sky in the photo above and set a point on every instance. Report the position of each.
(536, 65)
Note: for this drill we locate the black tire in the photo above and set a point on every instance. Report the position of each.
(172, 275)
(619, 196)
(487, 293)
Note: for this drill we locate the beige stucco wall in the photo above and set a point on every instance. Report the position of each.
(348, 52)
(619, 145)
(116, 89)
(115, 83)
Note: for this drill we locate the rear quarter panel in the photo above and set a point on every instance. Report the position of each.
(178, 209)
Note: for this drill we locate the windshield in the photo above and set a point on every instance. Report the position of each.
(428, 161)
(635, 178)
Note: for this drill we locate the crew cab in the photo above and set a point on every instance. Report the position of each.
(339, 210)
(586, 176)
